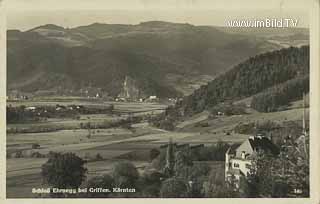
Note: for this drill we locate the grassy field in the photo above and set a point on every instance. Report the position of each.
(24, 173)
(227, 123)
(115, 144)
(119, 106)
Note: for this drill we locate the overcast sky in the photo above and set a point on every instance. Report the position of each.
(26, 14)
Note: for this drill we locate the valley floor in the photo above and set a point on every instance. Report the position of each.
(112, 144)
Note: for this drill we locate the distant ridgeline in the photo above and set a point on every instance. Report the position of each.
(273, 79)
(165, 59)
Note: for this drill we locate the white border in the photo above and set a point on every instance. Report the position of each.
(314, 130)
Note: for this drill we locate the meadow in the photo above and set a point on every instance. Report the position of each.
(114, 144)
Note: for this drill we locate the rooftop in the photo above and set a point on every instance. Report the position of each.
(264, 143)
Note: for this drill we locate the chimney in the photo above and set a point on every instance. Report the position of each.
(243, 155)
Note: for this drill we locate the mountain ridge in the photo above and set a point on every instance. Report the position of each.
(150, 52)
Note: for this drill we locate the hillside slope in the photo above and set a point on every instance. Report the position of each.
(280, 77)
(166, 59)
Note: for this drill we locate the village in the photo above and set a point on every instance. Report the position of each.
(129, 93)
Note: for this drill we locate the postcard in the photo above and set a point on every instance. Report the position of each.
(160, 101)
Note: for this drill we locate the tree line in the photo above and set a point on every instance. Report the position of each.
(287, 68)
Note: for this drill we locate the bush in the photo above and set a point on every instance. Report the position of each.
(215, 152)
(151, 184)
(125, 175)
(167, 125)
(267, 126)
(245, 128)
(228, 109)
(99, 157)
(154, 153)
(37, 155)
(19, 154)
(35, 146)
(163, 122)
(174, 188)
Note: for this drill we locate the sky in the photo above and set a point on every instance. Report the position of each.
(27, 14)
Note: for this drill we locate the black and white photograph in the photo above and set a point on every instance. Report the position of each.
(158, 99)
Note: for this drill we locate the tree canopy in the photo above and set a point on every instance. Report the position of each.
(64, 170)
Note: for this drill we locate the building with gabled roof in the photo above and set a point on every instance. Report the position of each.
(239, 157)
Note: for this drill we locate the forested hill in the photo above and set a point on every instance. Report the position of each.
(266, 73)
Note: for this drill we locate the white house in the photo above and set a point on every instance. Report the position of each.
(32, 108)
(239, 157)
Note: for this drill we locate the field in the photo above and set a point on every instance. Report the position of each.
(25, 173)
(114, 144)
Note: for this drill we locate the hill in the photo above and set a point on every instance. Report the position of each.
(275, 78)
(166, 59)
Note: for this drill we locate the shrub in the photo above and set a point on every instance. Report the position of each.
(245, 128)
(35, 146)
(125, 174)
(154, 153)
(174, 188)
(99, 157)
(19, 154)
(37, 155)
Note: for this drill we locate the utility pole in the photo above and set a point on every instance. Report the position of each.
(304, 129)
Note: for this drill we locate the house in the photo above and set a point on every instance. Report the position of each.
(238, 160)
(60, 107)
(152, 99)
(31, 108)
(219, 113)
(120, 99)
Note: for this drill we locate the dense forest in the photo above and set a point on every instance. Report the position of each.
(271, 76)
(277, 97)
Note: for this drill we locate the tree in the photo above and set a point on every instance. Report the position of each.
(198, 175)
(125, 175)
(169, 160)
(174, 188)
(182, 164)
(260, 178)
(277, 176)
(217, 187)
(150, 184)
(64, 170)
(99, 157)
(272, 77)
